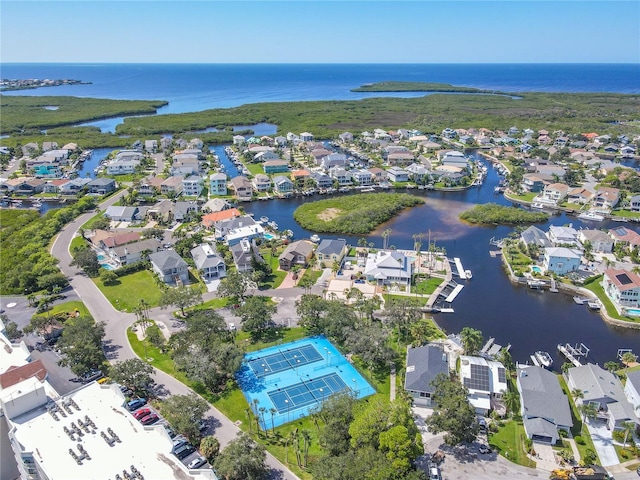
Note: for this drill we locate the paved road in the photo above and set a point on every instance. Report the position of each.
(117, 347)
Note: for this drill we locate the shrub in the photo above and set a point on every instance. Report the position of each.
(579, 440)
(131, 268)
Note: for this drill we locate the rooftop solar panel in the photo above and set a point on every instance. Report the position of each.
(479, 379)
(624, 279)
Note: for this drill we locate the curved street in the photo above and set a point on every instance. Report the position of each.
(116, 343)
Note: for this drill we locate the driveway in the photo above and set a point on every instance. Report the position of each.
(603, 442)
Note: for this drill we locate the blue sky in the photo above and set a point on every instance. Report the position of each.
(321, 31)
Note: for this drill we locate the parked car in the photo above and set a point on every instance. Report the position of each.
(434, 473)
(484, 449)
(136, 404)
(91, 376)
(179, 442)
(232, 326)
(149, 419)
(143, 412)
(202, 425)
(170, 431)
(197, 462)
(184, 451)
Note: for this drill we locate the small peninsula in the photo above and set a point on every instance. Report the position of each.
(352, 214)
(492, 213)
(393, 86)
(7, 85)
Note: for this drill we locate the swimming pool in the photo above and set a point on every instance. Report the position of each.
(536, 269)
(106, 266)
(634, 312)
(268, 236)
(101, 257)
(292, 379)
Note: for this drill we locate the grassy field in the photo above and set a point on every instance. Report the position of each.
(509, 441)
(312, 274)
(427, 286)
(130, 290)
(277, 276)
(67, 307)
(159, 360)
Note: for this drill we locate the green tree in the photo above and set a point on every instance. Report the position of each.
(370, 420)
(511, 400)
(154, 336)
(134, 374)
(611, 366)
(587, 410)
(87, 259)
(11, 328)
(242, 459)
(234, 285)
(452, 412)
(210, 448)
(101, 223)
(337, 414)
(181, 297)
(471, 340)
(399, 447)
(256, 315)
(184, 413)
(108, 277)
(81, 345)
(310, 308)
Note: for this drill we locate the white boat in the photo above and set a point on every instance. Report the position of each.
(537, 205)
(596, 217)
(468, 275)
(315, 238)
(273, 225)
(543, 358)
(264, 220)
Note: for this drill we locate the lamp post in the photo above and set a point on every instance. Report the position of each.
(287, 402)
(322, 393)
(354, 387)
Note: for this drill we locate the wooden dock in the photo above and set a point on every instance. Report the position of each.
(573, 354)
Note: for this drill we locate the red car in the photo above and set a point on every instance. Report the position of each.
(143, 412)
(149, 419)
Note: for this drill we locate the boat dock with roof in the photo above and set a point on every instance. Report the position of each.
(573, 354)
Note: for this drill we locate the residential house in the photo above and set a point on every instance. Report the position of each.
(340, 175)
(454, 158)
(192, 185)
(346, 137)
(634, 203)
(603, 390)
(224, 226)
(561, 260)
(216, 205)
(397, 174)
(121, 214)
(218, 184)
(265, 156)
(74, 186)
(296, 253)
(242, 188)
(162, 212)
(580, 195)
(261, 182)
(123, 166)
(632, 388)
(275, 166)
(622, 287)
(361, 176)
(282, 184)
(102, 186)
(401, 158)
(239, 140)
(185, 165)
(134, 252)
(306, 137)
(625, 236)
(208, 262)
(486, 382)
(544, 407)
(172, 186)
(248, 232)
(555, 192)
(379, 175)
(107, 240)
(606, 198)
(151, 146)
(170, 267)
(330, 250)
(628, 151)
(418, 173)
(184, 210)
(165, 143)
(319, 153)
(600, 241)
(244, 253)
(210, 220)
(150, 187)
(559, 235)
(532, 182)
(333, 160)
(53, 186)
(388, 268)
(322, 179)
(534, 236)
(423, 365)
(299, 177)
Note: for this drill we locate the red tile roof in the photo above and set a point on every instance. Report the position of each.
(18, 374)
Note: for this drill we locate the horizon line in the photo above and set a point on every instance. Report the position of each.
(88, 63)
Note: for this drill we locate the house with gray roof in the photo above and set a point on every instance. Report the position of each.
(244, 252)
(632, 388)
(561, 260)
(331, 250)
(102, 186)
(208, 262)
(134, 252)
(543, 405)
(423, 364)
(599, 240)
(296, 253)
(170, 267)
(534, 236)
(182, 210)
(119, 213)
(604, 391)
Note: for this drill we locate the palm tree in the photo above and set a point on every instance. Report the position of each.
(272, 411)
(264, 426)
(576, 393)
(588, 410)
(306, 437)
(385, 238)
(511, 400)
(247, 412)
(628, 428)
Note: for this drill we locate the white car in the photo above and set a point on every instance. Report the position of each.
(197, 462)
(232, 326)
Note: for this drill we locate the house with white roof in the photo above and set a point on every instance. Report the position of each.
(389, 268)
(340, 174)
(218, 184)
(333, 160)
(561, 260)
(560, 235)
(544, 407)
(244, 253)
(362, 176)
(261, 182)
(122, 166)
(486, 381)
(397, 174)
(606, 198)
(192, 185)
(208, 262)
(554, 193)
(622, 287)
(306, 137)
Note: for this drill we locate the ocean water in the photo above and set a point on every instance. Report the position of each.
(195, 87)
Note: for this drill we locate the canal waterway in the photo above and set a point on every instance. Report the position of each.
(529, 320)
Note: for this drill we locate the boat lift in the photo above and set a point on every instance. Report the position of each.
(573, 354)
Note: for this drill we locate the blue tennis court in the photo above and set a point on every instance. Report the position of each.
(284, 360)
(293, 379)
(306, 393)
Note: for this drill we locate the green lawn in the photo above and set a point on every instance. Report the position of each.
(418, 301)
(525, 197)
(426, 286)
(312, 274)
(130, 290)
(624, 453)
(161, 361)
(212, 304)
(68, 307)
(625, 214)
(77, 243)
(596, 288)
(277, 276)
(509, 441)
(255, 168)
